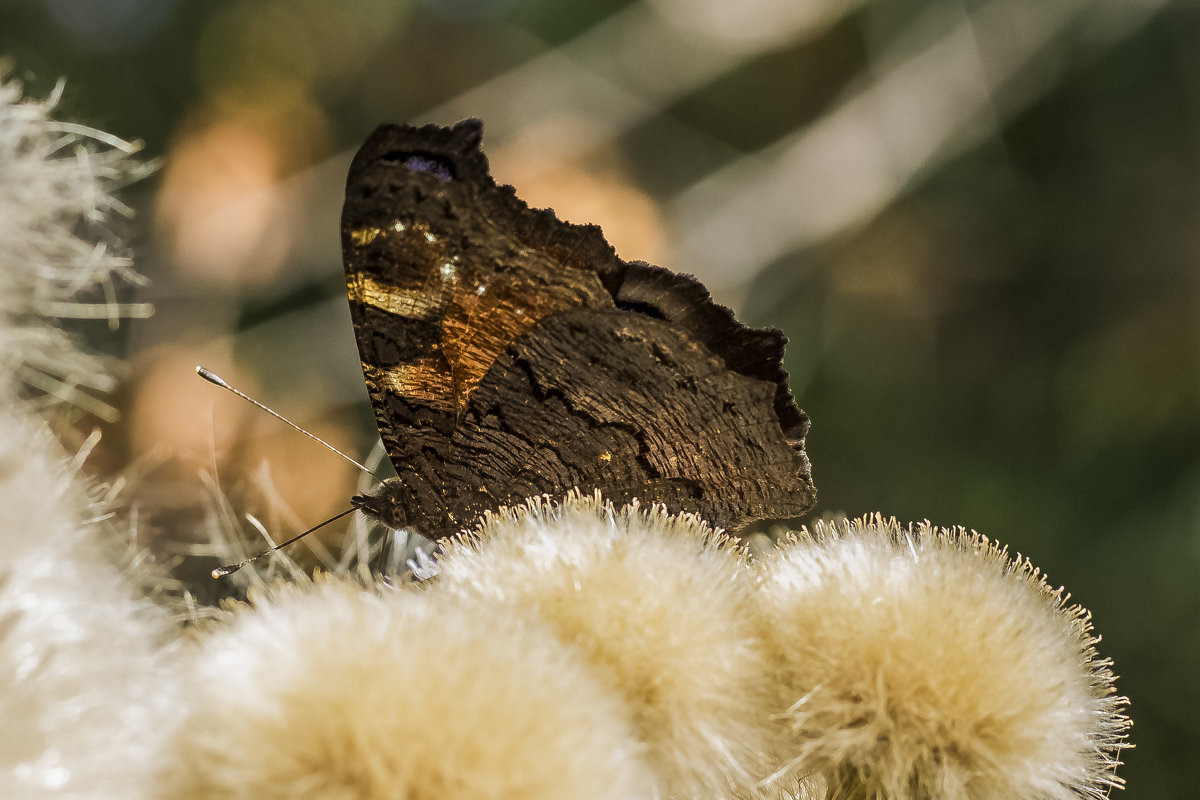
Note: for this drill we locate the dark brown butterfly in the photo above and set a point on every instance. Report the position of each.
(510, 354)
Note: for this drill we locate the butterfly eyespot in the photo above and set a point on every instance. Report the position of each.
(430, 164)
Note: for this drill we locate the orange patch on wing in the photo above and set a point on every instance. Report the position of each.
(479, 325)
(400, 301)
(427, 380)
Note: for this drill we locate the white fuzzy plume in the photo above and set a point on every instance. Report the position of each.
(920, 662)
(85, 694)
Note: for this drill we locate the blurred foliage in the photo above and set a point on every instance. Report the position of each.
(1001, 332)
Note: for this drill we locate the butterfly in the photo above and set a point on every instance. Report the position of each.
(509, 354)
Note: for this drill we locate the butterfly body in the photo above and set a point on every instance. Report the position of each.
(508, 354)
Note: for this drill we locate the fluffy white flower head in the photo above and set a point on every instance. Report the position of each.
(925, 663)
(660, 604)
(85, 694)
(336, 692)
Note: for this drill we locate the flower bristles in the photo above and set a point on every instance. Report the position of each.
(60, 256)
(659, 604)
(334, 690)
(926, 663)
(86, 683)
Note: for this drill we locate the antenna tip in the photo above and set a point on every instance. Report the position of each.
(221, 572)
(211, 377)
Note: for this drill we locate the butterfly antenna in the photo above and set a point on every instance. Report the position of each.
(216, 379)
(229, 569)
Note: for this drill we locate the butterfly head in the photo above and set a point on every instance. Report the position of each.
(386, 504)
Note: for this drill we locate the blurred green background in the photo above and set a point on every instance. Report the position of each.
(976, 221)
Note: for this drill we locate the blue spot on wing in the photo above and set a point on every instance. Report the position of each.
(439, 168)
